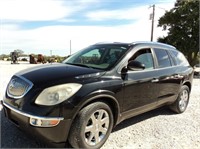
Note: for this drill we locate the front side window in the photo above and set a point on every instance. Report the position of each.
(144, 56)
(98, 56)
(163, 58)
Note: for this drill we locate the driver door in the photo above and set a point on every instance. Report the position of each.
(140, 92)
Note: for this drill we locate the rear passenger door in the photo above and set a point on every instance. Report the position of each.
(167, 77)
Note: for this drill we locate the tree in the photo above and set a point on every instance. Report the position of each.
(182, 23)
(19, 52)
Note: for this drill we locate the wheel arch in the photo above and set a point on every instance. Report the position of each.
(189, 85)
(108, 99)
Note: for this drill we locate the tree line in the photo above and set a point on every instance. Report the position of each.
(182, 24)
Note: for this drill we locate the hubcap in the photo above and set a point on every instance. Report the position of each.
(97, 127)
(183, 100)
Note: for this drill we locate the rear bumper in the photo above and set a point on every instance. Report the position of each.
(54, 136)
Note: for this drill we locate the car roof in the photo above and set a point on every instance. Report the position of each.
(147, 43)
(113, 43)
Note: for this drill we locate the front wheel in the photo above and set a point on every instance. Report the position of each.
(92, 126)
(180, 105)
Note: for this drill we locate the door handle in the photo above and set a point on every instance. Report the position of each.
(177, 76)
(154, 80)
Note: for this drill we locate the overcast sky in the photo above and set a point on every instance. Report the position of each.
(41, 26)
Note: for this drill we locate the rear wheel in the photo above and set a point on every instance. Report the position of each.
(92, 126)
(180, 105)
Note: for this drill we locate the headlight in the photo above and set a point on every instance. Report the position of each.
(57, 94)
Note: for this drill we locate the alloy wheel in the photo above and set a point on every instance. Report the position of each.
(183, 100)
(97, 127)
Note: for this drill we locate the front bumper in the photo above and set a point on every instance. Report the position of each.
(54, 136)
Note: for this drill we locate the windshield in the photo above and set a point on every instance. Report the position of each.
(101, 57)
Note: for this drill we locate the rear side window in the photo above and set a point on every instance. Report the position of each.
(163, 58)
(179, 57)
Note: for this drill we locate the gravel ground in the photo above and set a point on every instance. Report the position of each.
(158, 129)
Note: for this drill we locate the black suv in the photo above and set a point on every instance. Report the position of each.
(82, 99)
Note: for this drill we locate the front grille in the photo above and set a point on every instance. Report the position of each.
(18, 87)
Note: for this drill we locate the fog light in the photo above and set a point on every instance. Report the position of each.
(44, 122)
(35, 122)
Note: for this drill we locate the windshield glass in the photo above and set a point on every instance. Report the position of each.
(101, 57)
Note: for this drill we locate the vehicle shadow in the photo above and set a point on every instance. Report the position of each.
(12, 137)
(142, 117)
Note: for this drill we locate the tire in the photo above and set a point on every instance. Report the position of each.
(181, 103)
(92, 126)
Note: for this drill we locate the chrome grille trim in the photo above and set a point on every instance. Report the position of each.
(30, 85)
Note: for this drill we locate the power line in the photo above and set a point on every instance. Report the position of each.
(161, 8)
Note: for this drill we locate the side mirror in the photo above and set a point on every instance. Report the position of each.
(135, 66)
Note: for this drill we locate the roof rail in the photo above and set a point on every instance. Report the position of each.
(150, 42)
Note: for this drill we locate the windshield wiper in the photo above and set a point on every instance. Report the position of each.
(76, 64)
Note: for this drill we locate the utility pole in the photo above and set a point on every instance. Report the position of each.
(70, 46)
(152, 24)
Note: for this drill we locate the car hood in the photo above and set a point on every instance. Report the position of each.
(53, 74)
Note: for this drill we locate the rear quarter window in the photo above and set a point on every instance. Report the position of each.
(179, 58)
